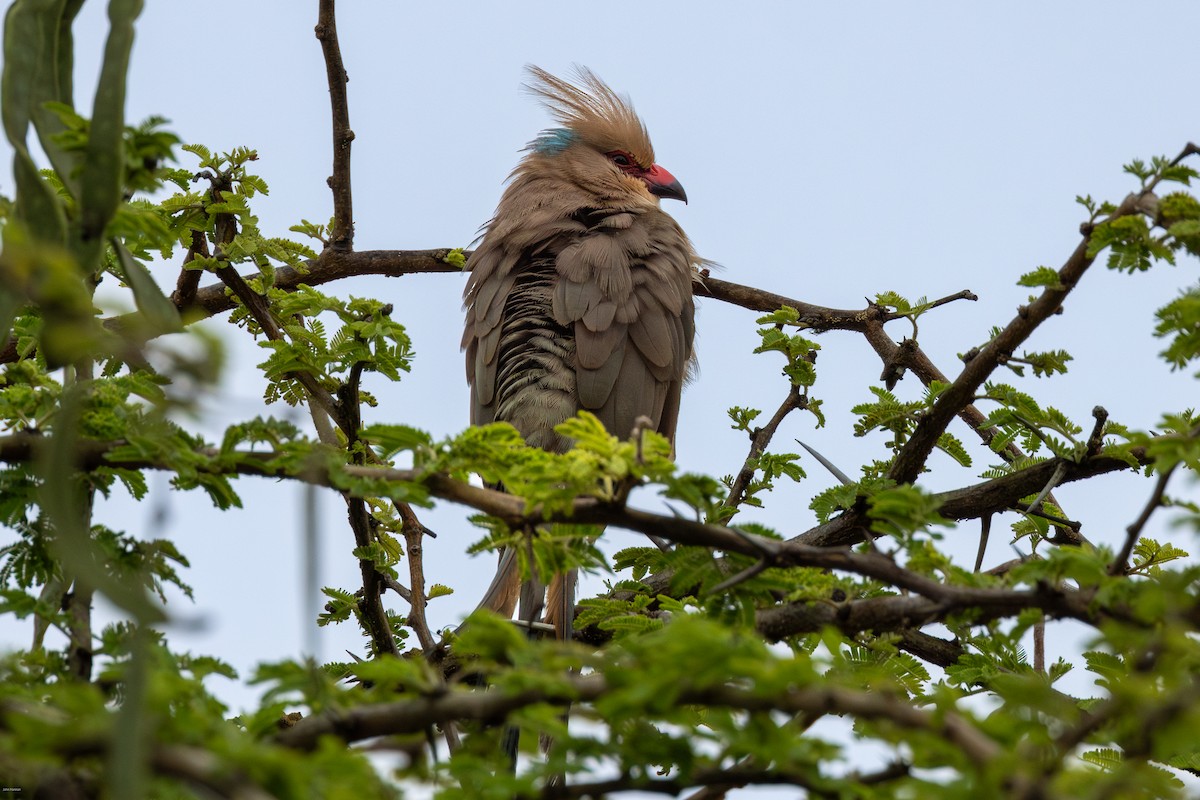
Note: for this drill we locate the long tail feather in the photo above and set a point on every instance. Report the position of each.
(502, 592)
(560, 604)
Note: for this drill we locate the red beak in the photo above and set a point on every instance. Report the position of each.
(663, 184)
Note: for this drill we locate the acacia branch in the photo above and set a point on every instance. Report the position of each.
(912, 456)
(813, 548)
(414, 535)
(332, 265)
(893, 613)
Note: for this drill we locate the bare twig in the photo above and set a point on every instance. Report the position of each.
(189, 279)
(414, 535)
(965, 294)
(1060, 471)
(743, 576)
(1061, 522)
(1134, 531)
(397, 587)
(414, 538)
(1095, 442)
(342, 235)
(985, 527)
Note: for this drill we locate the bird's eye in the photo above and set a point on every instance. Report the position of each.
(622, 160)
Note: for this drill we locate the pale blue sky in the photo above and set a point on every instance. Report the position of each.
(829, 152)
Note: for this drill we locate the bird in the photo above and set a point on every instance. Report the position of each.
(579, 296)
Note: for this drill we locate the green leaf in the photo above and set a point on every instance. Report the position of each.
(1180, 320)
(1149, 556)
(743, 417)
(901, 510)
(1042, 276)
(393, 439)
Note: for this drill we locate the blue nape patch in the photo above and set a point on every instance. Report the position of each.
(553, 141)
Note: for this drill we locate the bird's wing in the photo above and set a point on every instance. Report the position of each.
(624, 287)
(519, 359)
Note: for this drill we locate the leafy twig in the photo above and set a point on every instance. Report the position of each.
(759, 439)
(1134, 531)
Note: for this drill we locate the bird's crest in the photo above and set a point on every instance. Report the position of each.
(591, 112)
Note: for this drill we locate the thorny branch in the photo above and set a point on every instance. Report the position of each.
(334, 265)
(414, 534)
(912, 456)
(969, 502)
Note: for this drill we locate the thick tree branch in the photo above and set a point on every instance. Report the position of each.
(189, 279)
(332, 265)
(978, 500)
(934, 597)
(969, 502)
(411, 716)
(720, 780)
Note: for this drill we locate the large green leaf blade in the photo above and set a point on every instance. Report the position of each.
(104, 160)
(26, 56)
(159, 312)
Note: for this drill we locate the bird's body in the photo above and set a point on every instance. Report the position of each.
(580, 291)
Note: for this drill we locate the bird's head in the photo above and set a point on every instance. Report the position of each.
(602, 145)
